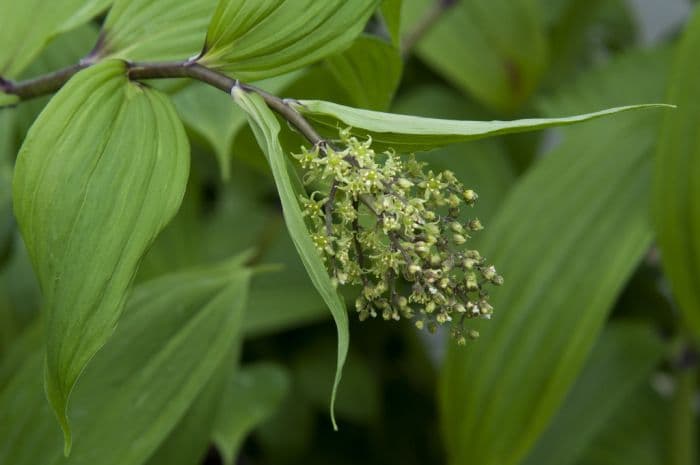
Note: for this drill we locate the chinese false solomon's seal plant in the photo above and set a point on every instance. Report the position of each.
(104, 169)
(386, 224)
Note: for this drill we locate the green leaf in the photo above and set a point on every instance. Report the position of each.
(391, 14)
(27, 27)
(677, 181)
(565, 253)
(100, 173)
(250, 397)
(8, 99)
(189, 441)
(495, 50)
(155, 30)
(635, 435)
(621, 363)
(266, 129)
(257, 40)
(215, 119)
(413, 133)
(176, 332)
(369, 71)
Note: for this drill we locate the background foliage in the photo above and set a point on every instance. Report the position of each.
(590, 358)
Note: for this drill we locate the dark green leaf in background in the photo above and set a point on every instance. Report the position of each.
(257, 40)
(576, 221)
(547, 319)
(249, 398)
(496, 50)
(676, 203)
(176, 331)
(99, 175)
(266, 129)
(619, 366)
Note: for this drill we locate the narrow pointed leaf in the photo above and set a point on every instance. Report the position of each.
(677, 181)
(412, 133)
(27, 27)
(100, 173)
(565, 254)
(256, 40)
(176, 332)
(250, 397)
(266, 130)
(155, 30)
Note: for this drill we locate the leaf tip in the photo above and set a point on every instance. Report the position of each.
(58, 401)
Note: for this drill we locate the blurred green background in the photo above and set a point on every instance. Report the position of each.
(590, 358)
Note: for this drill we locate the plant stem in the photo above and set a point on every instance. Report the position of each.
(52, 82)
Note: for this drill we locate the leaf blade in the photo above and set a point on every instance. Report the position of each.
(676, 186)
(266, 129)
(85, 255)
(408, 133)
(257, 40)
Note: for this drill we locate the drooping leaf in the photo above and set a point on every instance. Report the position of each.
(249, 398)
(177, 330)
(257, 40)
(619, 366)
(412, 133)
(266, 129)
(99, 175)
(676, 182)
(27, 27)
(565, 253)
(155, 30)
(494, 50)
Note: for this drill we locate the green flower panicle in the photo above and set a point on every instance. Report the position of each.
(382, 222)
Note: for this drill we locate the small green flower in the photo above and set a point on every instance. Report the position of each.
(393, 229)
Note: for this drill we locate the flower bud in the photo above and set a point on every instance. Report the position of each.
(459, 239)
(470, 197)
(475, 225)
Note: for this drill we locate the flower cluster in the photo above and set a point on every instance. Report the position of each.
(386, 224)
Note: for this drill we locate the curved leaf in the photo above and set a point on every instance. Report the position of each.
(255, 40)
(27, 27)
(676, 203)
(413, 133)
(100, 173)
(176, 332)
(266, 130)
(565, 253)
(155, 30)
(250, 397)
